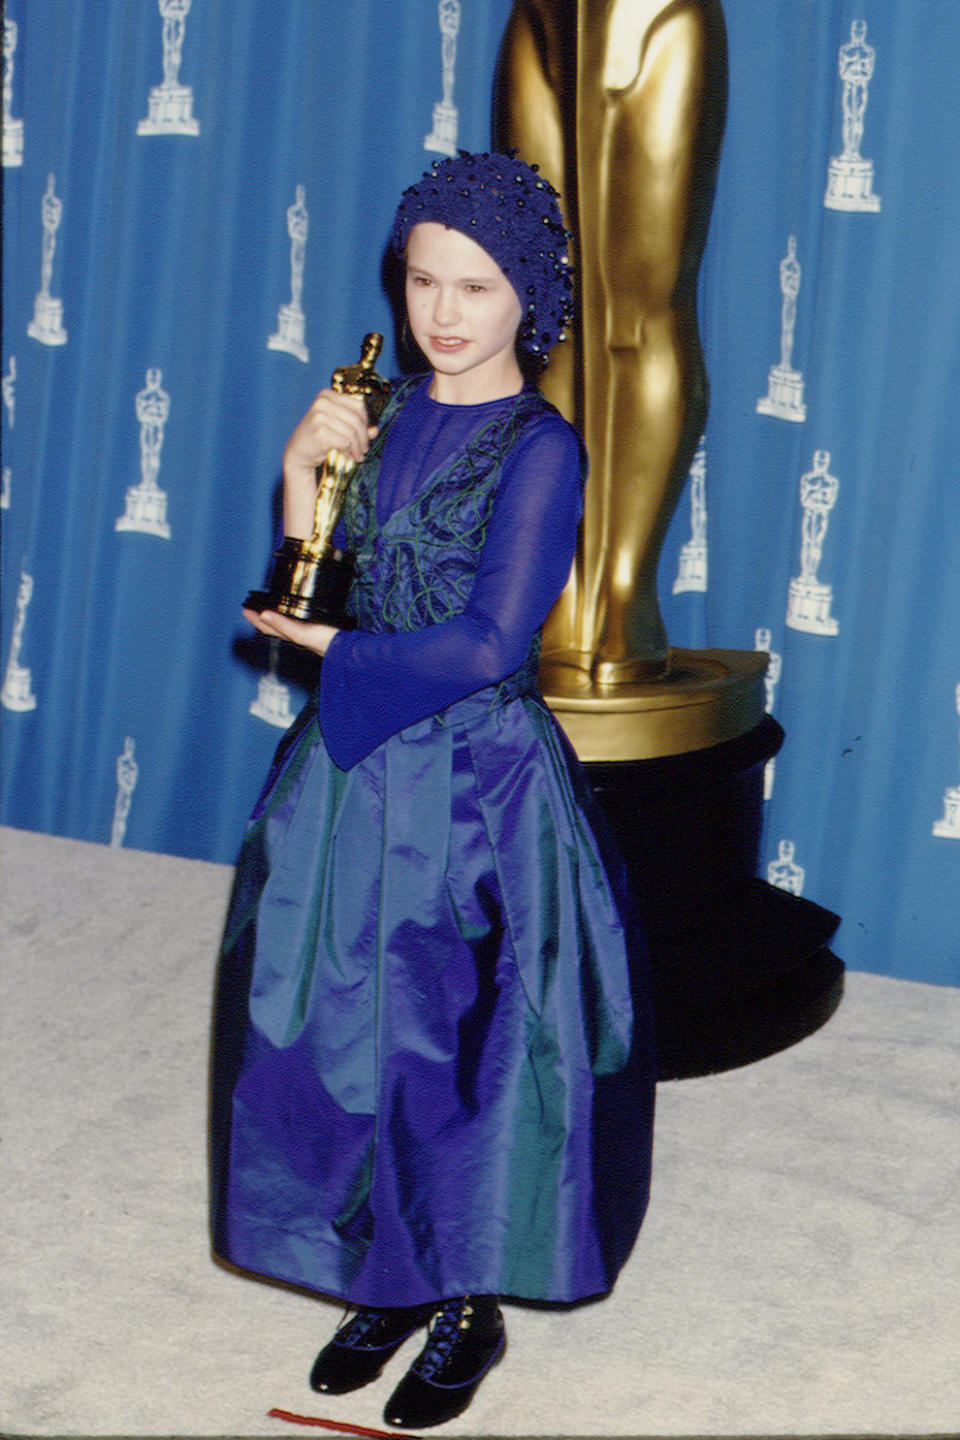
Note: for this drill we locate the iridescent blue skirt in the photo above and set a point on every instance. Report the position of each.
(434, 1068)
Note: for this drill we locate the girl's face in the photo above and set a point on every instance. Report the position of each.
(464, 314)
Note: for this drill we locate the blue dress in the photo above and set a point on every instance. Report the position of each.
(434, 1068)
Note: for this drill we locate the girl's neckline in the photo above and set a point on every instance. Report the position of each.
(472, 405)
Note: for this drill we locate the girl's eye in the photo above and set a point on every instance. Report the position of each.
(477, 289)
(420, 280)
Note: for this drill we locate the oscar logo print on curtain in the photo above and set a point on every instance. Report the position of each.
(810, 600)
(146, 508)
(12, 127)
(16, 693)
(9, 400)
(849, 176)
(443, 136)
(949, 827)
(272, 701)
(127, 773)
(692, 565)
(291, 321)
(170, 105)
(47, 323)
(763, 641)
(784, 397)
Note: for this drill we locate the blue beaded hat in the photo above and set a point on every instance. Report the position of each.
(511, 211)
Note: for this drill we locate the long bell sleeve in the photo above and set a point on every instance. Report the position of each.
(373, 685)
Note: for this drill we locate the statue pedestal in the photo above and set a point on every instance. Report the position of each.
(12, 141)
(290, 333)
(808, 607)
(169, 112)
(784, 397)
(443, 136)
(949, 827)
(705, 697)
(47, 323)
(693, 567)
(16, 693)
(850, 185)
(740, 968)
(146, 511)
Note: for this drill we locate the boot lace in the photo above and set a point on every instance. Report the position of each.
(446, 1327)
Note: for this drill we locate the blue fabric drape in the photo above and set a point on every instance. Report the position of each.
(173, 252)
(127, 676)
(870, 712)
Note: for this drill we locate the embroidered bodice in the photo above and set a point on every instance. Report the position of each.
(461, 550)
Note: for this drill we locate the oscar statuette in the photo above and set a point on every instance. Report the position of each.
(310, 578)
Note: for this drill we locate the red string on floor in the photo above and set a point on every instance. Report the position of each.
(339, 1426)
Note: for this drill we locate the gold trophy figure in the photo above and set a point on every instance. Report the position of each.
(310, 578)
(622, 102)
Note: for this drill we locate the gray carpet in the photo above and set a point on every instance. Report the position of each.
(798, 1273)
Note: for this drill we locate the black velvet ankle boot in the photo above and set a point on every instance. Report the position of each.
(362, 1346)
(467, 1337)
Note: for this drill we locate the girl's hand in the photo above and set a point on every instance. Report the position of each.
(333, 422)
(305, 633)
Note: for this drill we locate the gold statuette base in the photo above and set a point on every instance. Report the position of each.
(307, 584)
(704, 698)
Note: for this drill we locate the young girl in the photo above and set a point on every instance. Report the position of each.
(432, 1086)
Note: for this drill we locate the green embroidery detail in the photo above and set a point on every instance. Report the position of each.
(418, 568)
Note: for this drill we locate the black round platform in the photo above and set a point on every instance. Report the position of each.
(740, 968)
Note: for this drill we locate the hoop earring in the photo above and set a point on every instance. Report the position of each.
(410, 353)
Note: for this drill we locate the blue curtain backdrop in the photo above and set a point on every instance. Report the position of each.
(173, 299)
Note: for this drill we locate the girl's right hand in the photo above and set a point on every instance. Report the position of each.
(334, 422)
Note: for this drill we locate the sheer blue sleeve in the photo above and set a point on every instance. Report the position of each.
(371, 685)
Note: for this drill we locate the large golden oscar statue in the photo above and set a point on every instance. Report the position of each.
(622, 104)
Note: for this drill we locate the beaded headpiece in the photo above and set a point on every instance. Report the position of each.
(511, 211)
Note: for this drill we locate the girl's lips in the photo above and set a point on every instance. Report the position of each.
(447, 342)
